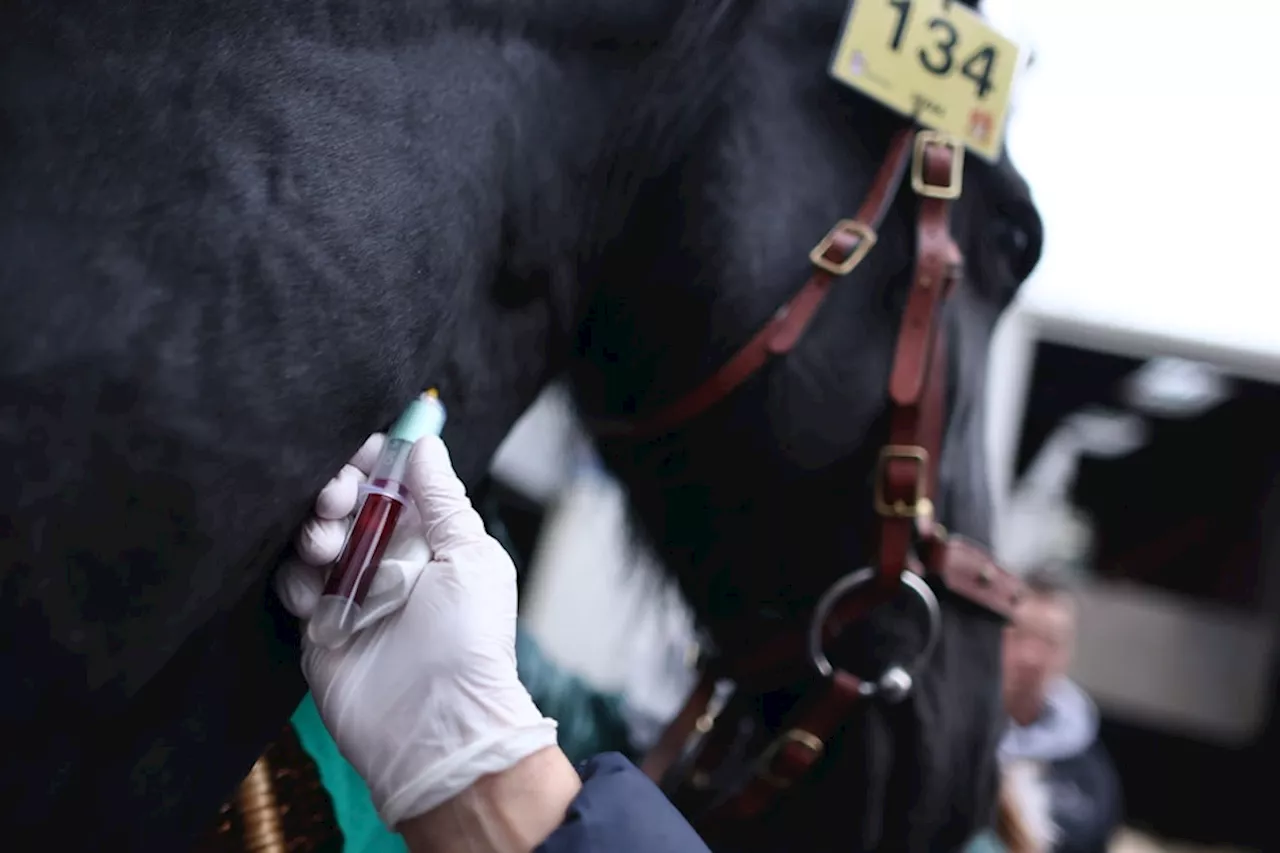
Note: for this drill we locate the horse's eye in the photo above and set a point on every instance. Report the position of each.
(1016, 235)
(1011, 239)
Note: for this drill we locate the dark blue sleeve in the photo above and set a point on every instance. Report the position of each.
(1087, 801)
(620, 811)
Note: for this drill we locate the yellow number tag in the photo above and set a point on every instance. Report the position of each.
(933, 60)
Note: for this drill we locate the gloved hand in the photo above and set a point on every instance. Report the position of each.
(424, 699)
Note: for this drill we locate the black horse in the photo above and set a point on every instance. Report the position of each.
(237, 237)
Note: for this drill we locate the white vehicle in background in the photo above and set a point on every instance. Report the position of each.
(1151, 464)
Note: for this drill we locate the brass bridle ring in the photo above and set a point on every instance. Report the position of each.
(895, 682)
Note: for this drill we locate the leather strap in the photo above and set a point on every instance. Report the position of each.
(835, 256)
(906, 479)
(672, 743)
(784, 763)
(791, 755)
(968, 571)
(964, 568)
(907, 469)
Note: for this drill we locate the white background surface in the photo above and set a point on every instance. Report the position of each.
(1147, 130)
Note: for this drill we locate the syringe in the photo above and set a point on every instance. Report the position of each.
(382, 498)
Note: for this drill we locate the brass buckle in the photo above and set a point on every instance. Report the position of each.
(955, 184)
(919, 505)
(866, 239)
(808, 740)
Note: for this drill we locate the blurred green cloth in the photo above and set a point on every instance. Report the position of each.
(362, 829)
(590, 722)
(985, 842)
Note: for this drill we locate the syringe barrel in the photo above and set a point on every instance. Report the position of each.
(382, 499)
(388, 473)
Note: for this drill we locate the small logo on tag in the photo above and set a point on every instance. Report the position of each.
(981, 126)
(857, 63)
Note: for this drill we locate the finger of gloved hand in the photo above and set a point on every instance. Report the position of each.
(338, 498)
(368, 453)
(448, 519)
(319, 541)
(299, 587)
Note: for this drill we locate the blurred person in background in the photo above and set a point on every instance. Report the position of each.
(1053, 722)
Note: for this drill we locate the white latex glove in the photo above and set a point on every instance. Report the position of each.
(424, 699)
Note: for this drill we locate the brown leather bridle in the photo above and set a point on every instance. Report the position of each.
(910, 540)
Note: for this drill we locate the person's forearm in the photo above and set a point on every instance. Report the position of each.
(509, 812)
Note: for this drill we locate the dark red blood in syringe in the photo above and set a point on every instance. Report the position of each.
(372, 531)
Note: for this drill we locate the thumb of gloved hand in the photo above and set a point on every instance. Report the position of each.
(449, 521)
(471, 578)
(427, 700)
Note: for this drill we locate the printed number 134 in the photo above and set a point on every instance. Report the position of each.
(939, 59)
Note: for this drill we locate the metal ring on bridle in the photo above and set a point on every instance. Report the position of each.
(896, 679)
